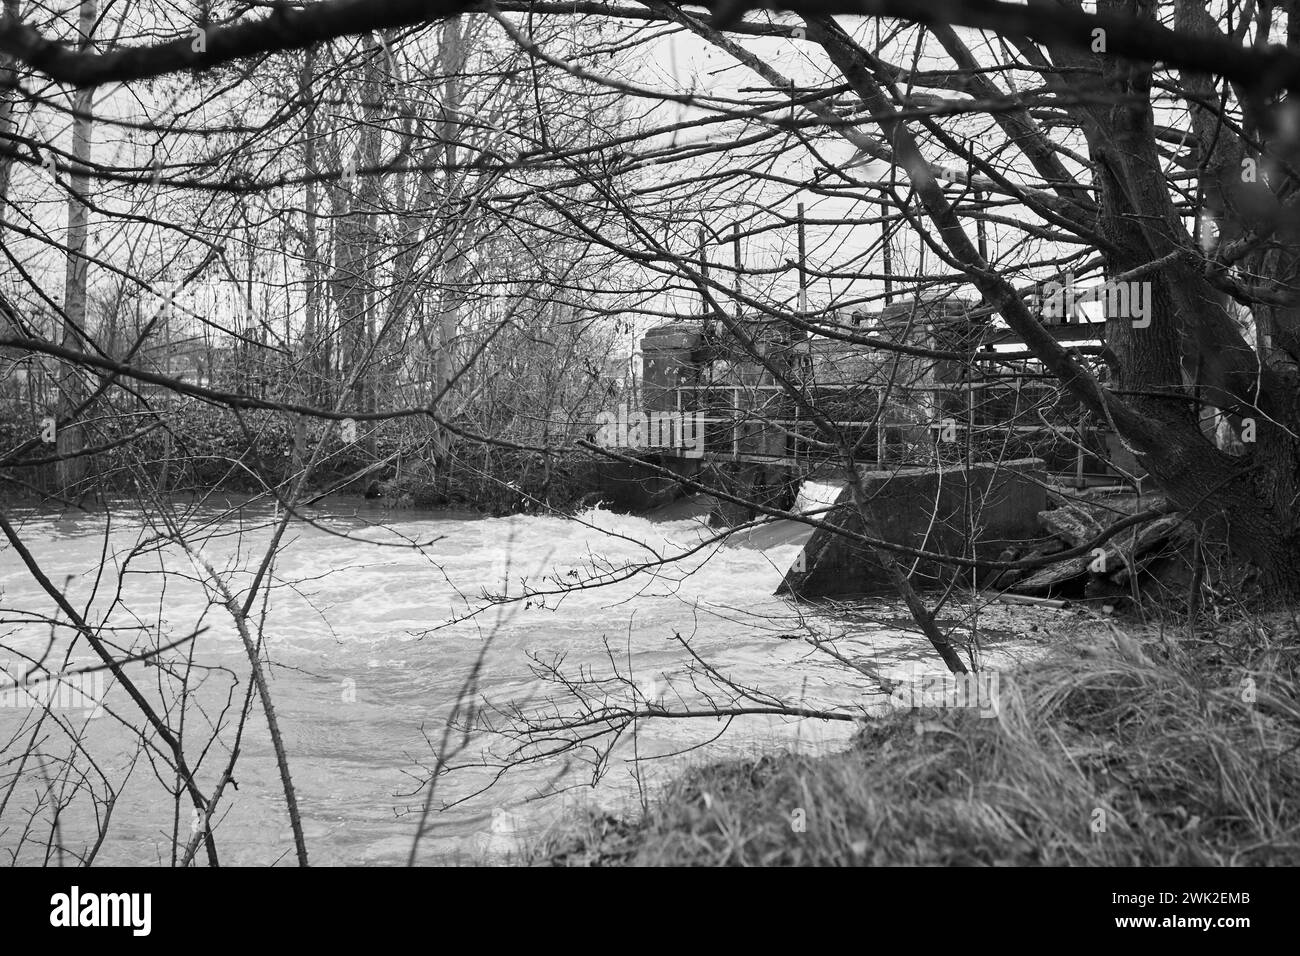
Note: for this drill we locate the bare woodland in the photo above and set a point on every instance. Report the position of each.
(299, 248)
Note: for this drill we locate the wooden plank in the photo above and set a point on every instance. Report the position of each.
(1007, 598)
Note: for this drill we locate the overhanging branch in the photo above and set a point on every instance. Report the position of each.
(1262, 70)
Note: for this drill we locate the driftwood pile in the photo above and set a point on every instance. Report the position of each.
(1152, 553)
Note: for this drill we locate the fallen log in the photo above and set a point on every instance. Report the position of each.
(1082, 520)
(1152, 543)
(1044, 579)
(1071, 524)
(1114, 565)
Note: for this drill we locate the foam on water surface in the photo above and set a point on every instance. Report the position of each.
(371, 641)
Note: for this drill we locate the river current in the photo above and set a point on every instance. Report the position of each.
(373, 622)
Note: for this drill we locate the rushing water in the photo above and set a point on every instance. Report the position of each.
(374, 621)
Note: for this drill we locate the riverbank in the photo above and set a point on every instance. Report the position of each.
(190, 448)
(1134, 747)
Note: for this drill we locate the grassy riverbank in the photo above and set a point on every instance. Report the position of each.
(1142, 748)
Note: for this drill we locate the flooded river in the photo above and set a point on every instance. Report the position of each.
(373, 623)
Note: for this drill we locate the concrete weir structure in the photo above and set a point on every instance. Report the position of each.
(961, 431)
(960, 510)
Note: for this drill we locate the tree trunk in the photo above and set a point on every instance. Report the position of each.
(355, 241)
(454, 247)
(69, 439)
(8, 88)
(308, 372)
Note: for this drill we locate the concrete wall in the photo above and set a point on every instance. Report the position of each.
(924, 508)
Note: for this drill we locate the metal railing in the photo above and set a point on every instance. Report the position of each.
(975, 420)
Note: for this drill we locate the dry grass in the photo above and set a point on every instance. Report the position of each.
(1124, 754)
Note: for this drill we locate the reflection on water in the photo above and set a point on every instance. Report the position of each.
(373, 629)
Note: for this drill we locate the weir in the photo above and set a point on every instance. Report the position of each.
(956, 449)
